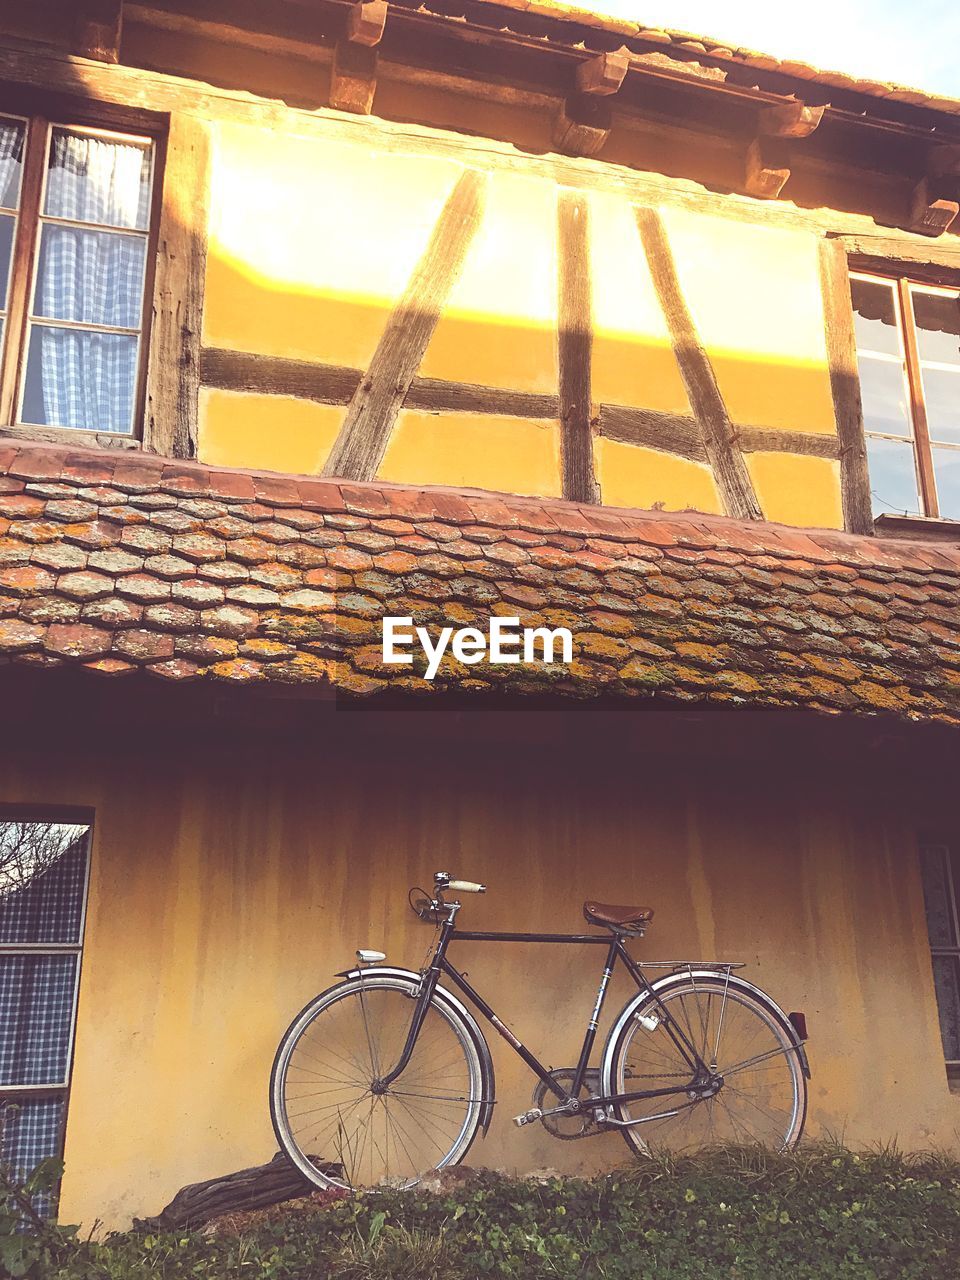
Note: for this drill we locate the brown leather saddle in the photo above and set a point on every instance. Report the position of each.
(623, 919)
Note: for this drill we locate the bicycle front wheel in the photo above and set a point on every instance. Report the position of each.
(762, 1094)
(329, 1113)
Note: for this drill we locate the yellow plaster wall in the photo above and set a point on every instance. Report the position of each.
(313, 241)
(228, 885)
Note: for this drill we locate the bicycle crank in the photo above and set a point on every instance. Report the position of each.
(566, 1120)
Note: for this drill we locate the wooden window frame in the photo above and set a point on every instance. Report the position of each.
(930, 840)
(42, 113)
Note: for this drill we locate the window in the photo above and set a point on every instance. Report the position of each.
(75, 212)
(940, 868)
(43, 881)
(908, 352)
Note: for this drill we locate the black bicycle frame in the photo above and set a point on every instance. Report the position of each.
(699, 1072)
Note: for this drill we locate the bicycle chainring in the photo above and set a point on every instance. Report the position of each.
(569, 1127)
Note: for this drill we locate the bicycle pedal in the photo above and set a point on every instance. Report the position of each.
(528, 1117)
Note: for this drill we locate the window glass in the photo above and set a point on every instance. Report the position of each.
(938, 895)
(946, 467)
(893, 476)
(36, 1016)
(883, 390)
(42, 871)
(98, 179)
(875, 316)
(946, 980)
(938, 326)
(95, 277)
(12, 134)
(8, 225)
(31, 1131)
(80, 378)
(941, 395)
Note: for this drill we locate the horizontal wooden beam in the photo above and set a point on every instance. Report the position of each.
(366, 21)
(679, 434)
(603, 74)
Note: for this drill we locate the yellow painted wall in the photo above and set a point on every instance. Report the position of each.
(228, 885)
(313, 241)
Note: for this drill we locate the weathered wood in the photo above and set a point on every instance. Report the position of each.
(360, 446)
(845, 387)
(353, 79)
(173, 374)
(71, 436)
(918, 407)
(765, 174)
(24, 247)
(729, 469)
(604, 73)
(808, 444)
(879, 250)
(582, 124)
(336, 384)
(254, 1188)
(97, 27)
(930, 215)
(277, 376)
(675, 433)
(575, 341)
(366, 21)
(790, 119)
(293, 33)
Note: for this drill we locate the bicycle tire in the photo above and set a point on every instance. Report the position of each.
(391, 1139)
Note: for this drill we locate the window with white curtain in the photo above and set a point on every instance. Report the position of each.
(75, 215)
(43, 886)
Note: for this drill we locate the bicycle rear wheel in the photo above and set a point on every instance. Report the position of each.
(763, 1096)
(325, 1101)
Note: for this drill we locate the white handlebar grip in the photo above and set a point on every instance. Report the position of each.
(466, 886)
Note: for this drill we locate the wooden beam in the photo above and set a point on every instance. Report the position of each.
(790, 119)
(360, 446)
(845, 387)
(674, 433)
(930, 215)
(97, 27)
(366, 21)
(729, 469)
(765, 173)
(582, 124)
(353, 78)
(603, 74)
(575, 341)
(173, 370)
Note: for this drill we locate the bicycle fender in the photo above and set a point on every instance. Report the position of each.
(441, 993)
(662, 985)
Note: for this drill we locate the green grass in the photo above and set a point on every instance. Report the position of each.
(824, 1213)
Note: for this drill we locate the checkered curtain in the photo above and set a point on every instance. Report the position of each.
(92, 277)
(31, 1130)
(11, 156)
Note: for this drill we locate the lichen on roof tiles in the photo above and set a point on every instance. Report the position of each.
(190, 573)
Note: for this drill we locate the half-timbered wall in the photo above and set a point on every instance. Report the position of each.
(412, 318)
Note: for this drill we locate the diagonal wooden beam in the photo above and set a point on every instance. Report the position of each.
(729, 469)
(575, 340)
(362, 442)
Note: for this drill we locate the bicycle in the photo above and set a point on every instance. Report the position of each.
(391, 1069)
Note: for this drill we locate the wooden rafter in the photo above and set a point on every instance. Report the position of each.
(717, 432)
(360, 446)
(97, 26)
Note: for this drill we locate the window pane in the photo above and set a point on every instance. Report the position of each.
(945, 980)
(884, 391)
(7, 224)
(11, 162)
(941, 394)
(36, 1012)
(893, 476)
(946, 467)
(100, 180)
(875, 316)
(78, 378)
(43, 867)
(937, 895)
(30, 1132)
(92, 276)
(938, 326)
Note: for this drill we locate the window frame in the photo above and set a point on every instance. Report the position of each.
(42, 115)
(905, 278)
(61, 1089)
(951, 846)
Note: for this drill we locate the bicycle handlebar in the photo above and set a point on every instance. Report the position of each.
(466, 886)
